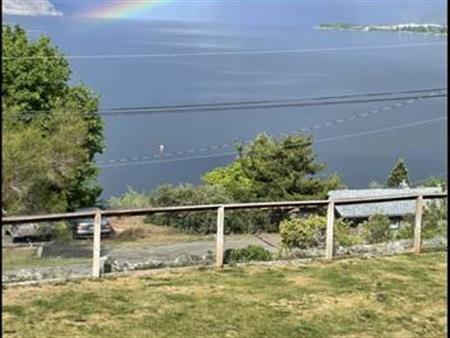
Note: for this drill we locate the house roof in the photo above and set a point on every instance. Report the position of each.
(394, 208)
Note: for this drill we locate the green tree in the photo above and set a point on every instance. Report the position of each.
(432, 181)
(232, 179)
(285, 169)
(398, 174)
(38, 168)
(35, 94)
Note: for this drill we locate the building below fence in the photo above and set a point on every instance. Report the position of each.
(395, 210)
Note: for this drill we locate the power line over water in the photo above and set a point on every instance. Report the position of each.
(261, 104)
(126, 162)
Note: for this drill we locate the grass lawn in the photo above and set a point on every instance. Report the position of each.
(16, 258)
(401, 296)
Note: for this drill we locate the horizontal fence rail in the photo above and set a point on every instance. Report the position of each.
(330, 204)
(207, 207)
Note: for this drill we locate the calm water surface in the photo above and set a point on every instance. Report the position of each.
(213, 69)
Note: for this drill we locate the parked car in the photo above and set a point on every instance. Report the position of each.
(28, 232)
(84, 227)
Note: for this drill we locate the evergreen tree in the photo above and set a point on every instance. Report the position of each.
(285, 169)
(398, 174)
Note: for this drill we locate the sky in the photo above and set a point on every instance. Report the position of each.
(238, 11)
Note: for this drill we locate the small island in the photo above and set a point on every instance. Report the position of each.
(432, 29)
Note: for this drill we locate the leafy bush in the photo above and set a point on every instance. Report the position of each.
(130, 199)
(303, 233)
(343, 235)
(62, 232)
(308, 232)
(250, 253)
(45, 231)
(406, 231)
(377, 229)
(197, 222)
(205, 222)
(434, 222)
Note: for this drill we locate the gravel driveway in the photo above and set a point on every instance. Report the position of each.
(133, 253)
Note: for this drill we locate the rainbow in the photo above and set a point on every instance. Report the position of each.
(125, 9)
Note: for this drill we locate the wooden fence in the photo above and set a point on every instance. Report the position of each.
(220, 208)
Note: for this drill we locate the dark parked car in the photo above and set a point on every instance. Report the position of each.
(84, 227)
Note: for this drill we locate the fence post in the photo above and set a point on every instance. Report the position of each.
(96, 243)
(219, 245)
(418, 225)
(330, 225)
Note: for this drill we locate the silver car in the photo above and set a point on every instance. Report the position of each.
(84, 227)
(29, 232)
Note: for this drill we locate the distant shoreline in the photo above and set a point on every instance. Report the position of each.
(428, 29)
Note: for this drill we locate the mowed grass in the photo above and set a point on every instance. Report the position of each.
(16, 258)
(400, 296)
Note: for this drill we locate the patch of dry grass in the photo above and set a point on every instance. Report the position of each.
(134, 231)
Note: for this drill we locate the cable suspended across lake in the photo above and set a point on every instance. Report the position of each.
(387, 109)
(125, 163)
(262, 104)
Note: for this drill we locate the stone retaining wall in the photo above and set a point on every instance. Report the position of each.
(109, 264)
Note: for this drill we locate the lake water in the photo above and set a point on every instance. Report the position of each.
(220, 63)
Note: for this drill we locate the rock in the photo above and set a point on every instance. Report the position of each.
(183, 260)
(125, 266)
(115, 266)
(105, 264)
(208, 257)
(153, 264)
(436, 242)
(342, 251)
(24, 275)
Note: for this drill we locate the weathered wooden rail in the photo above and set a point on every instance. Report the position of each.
(220, 208)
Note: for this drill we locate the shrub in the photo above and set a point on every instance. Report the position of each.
(434, 222)
(376, 229)
(307, 232)
(197, 222)
(303, 233)
(130, 199)
(250, 221)
(45, 231)
(205, 222)
(250, 253)
(405, 232)
(343, 235)
(61, 232)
